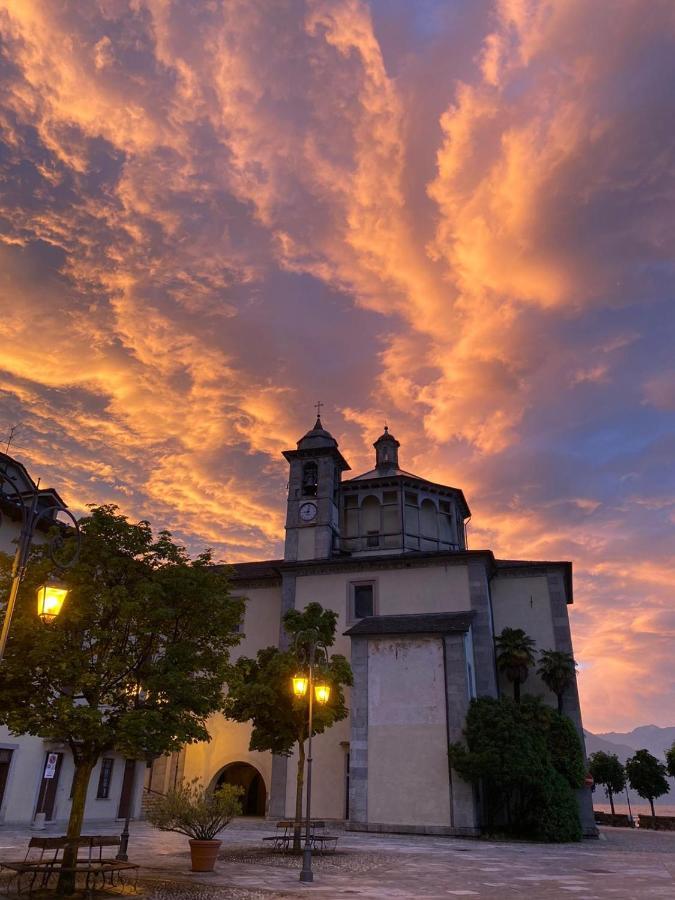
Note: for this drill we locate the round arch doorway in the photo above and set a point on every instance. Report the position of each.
(247, 776)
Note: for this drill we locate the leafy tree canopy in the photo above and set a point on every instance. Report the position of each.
(670, 761)
(135, 662)
(647, 776)
(260, 689)
(528, 759)
(607, 770)
(137, 659)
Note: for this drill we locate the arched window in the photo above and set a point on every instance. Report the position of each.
(310, 479)
(370, 521)
(429, 520)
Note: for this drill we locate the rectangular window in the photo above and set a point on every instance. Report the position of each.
(390, 496)
(351, 500)
(105, 778)
(411, 499)
(364, 604)
(373, 539)
(444, 506)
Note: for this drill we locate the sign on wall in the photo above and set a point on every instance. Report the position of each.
(50, 765)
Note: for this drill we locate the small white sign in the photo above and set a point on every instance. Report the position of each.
(50, 767)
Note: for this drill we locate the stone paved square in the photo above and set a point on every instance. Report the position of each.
(623, 865)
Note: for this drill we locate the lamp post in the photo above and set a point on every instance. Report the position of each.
(124, 837)
(51, 596)
(308, 644)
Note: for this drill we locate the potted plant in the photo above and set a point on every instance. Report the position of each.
(198, 814)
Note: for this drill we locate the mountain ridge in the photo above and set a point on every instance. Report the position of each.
(654, 738)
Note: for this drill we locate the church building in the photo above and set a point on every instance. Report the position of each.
(418, 613)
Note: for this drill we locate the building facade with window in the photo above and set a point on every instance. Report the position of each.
(36, 776)
(417, 615)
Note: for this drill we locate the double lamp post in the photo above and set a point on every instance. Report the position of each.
(313, 651)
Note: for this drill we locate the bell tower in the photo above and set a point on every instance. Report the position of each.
(312, 519)
(386, 452)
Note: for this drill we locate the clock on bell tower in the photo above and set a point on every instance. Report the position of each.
(312, 520)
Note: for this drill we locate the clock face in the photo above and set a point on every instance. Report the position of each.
(307, 512)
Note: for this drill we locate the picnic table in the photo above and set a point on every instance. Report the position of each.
(319, 838)
(44, 861)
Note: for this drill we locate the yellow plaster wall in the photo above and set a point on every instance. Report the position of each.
(524, 602)
(230, 740)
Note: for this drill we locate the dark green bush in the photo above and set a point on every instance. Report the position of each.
(527, 759)
(556, 816)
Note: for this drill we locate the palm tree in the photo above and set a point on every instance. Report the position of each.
(557, 670)
(515, 655)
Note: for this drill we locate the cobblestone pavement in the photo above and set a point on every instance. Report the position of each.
(622, 865)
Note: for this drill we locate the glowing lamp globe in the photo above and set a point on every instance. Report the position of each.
(322, 692)
(50, 599)
(300, 685)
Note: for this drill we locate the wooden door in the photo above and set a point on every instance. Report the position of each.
(50, 783)
(127, 787)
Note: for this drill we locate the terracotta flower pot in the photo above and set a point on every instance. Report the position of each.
(204, 855)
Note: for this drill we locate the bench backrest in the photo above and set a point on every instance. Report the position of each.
(47, 843)
(105, 841)
(57, 844)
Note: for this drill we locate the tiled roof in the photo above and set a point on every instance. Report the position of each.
(385, 473)
(424, 623)
(268, 568)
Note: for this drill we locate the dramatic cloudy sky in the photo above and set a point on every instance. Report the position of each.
(454, 215)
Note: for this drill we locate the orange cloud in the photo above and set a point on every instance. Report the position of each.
(460, 224)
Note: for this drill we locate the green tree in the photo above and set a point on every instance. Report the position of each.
(515, 656)
(527, 759)
(260, 691)
(557, 670)
(137, 659)
(647, 776)
(670, 761)
(608, 771)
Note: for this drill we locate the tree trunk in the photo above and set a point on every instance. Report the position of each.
(611, 800)
(299, 784)
(560, 702)
(651, 803)
(83, 770)
(516, 690)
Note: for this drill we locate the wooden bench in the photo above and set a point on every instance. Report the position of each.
(320, 840)
(44, 860)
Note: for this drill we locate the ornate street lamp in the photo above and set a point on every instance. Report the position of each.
(309, 645)
(50, 600)
(24, 496)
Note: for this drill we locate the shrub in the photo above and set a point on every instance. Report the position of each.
(555, 817)
(191, 811)
(527, 758)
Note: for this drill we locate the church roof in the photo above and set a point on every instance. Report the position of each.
(317, 437)
(422, 623)
(378, 473)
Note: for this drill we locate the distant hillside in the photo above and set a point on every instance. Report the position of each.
(656, 740)
(651, 737)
